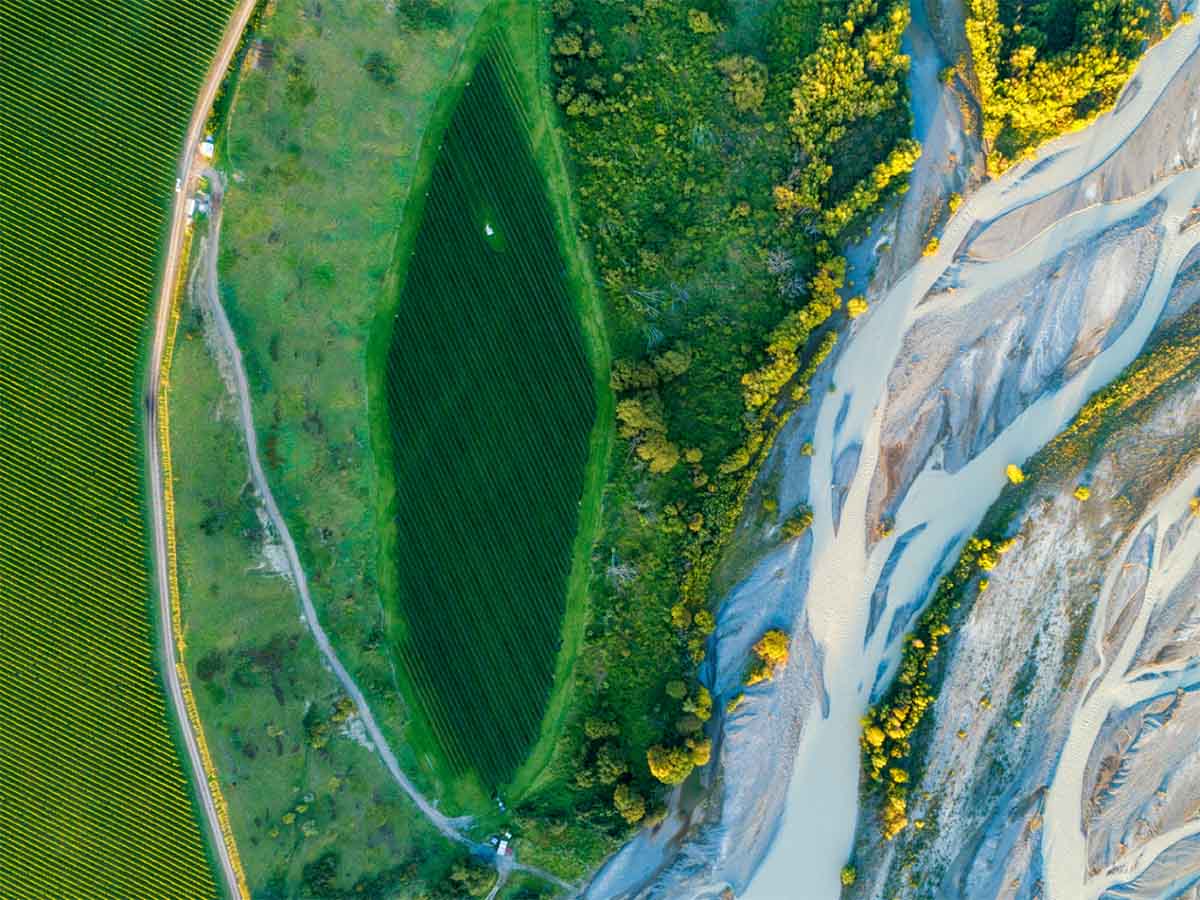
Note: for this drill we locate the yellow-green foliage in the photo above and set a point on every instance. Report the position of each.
(1173, 359)
(629, 803)
(670, 765)
(856, 306)
(790, 335)
(640, 416)
(771, 650)
(888, 726)
(700, 22)
(747, 82)
(1050, 70)
(983, 36)
(867, 192)
(799, 523)
(854, 75)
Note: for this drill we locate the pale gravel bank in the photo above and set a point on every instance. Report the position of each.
(902, 384)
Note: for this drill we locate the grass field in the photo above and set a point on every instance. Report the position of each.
(322, 154)
(96, 799)
(491, 403)
(318, 179)
(324, 151)
(314, 811)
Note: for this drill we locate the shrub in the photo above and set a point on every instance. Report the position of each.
(629, 803)
(670, 765)
(798, 523)
(772, 650)
(747, 79)
(700, 22)
(598, 729)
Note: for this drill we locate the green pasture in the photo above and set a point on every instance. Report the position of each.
(491, 402)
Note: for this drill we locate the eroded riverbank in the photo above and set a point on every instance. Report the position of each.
(973, 359)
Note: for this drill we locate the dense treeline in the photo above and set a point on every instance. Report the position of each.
(721, 153)
(1044, 67)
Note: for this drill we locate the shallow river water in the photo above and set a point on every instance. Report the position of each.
(816, 833)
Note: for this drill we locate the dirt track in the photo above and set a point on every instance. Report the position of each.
(162, 316)
(452, 828)
(189, 169)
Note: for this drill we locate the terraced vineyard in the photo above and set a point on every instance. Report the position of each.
(96, 102)
(491, 401)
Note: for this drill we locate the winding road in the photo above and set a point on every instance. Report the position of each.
(451, 828)
(162, 316)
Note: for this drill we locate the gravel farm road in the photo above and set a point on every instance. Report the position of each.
(189, 169)
(453, 829)
(162, 316)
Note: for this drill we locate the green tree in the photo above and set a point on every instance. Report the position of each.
(798, 523)
(610, 764)
(670, 765)
(597, 728)
(473, 878)
(747, 78)
(629, 803)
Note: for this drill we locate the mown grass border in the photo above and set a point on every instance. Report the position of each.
(519, 24)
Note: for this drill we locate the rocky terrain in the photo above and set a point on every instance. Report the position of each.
(1057, 760)
(1061, 759)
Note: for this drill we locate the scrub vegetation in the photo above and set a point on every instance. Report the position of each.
(721, 153)
(490, 401)
(97, 800)
(315, 813)
(890, 741)
(1045, 67)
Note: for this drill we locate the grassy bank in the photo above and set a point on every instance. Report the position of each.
(323, 147)
(314, 812)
